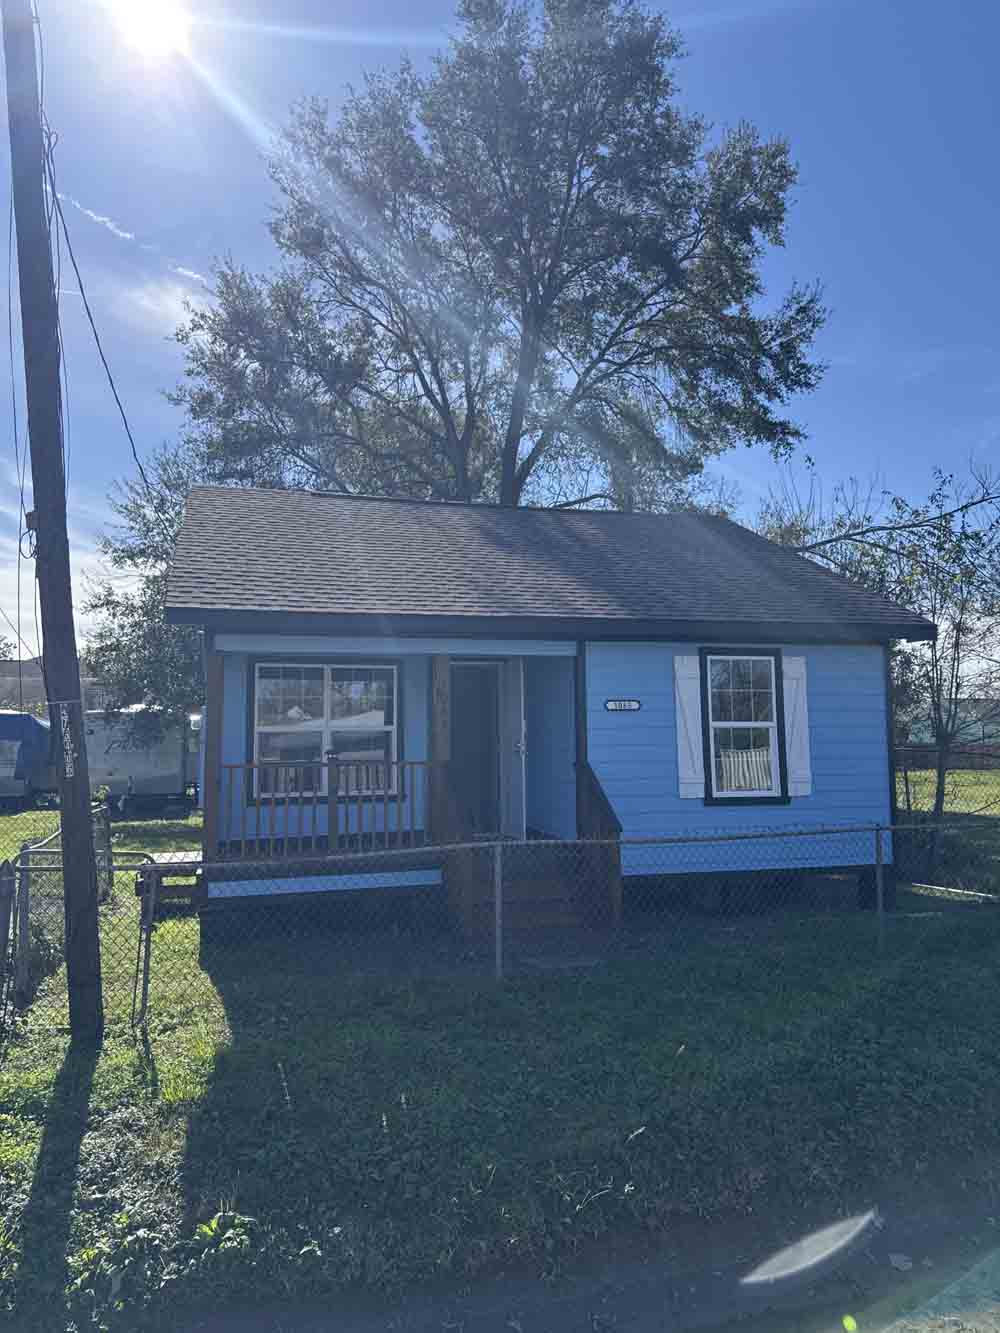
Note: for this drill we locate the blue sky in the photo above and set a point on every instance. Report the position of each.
(891, 107)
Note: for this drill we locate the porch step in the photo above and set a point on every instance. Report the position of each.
(526, 903)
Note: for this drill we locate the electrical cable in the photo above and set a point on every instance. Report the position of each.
(93, 326)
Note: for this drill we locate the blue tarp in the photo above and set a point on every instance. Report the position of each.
(33, 739)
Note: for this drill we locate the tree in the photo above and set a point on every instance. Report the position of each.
(526, 270)
(940, 557)
(137, 656)
(8, 652)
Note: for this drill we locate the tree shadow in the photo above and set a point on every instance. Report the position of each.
(47, 1217)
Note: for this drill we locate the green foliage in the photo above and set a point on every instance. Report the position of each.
(136, 655)
(525, 275)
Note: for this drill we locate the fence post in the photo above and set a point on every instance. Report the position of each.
(880, 888)
(22, 945)
(498, 909)
(6, 911)
(105, 874)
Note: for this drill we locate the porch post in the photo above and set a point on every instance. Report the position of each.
(439, 804)
(580, 726)
(213, 753)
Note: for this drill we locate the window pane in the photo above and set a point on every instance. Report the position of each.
(742, 674)
(742, 706)
(289, 695)
(296, 759)
(763, 706)
(722, 705)
(761, 675)
(721, 676)
(362, 697)
(742, 759)
(362, 760)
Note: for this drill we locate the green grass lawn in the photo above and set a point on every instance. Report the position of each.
(295, 1129)
(147, 835)
(158, 835)
(967, 791)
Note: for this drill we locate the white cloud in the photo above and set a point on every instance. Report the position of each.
(86, 564)
(157, 306)
(189, 273)
(101, 219)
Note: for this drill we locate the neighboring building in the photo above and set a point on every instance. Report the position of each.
(458, 672)
(978, 724)
(22, 687)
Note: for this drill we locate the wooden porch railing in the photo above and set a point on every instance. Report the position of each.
(275, 809)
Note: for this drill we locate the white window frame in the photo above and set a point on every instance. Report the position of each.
(713, 724)
(326, 726)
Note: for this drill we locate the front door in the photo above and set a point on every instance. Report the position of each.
(475, 746)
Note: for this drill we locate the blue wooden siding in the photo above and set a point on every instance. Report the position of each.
(635, 757)
(549, 716)
(237, 748)
(551, 746)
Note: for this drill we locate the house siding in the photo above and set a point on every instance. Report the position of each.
(635, 757)
(551, 746)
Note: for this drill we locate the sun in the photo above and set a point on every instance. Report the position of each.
(157, 29)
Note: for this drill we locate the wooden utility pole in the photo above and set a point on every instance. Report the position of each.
(48, 479)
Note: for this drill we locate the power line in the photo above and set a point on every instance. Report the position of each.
(57, 206)
(19, 639)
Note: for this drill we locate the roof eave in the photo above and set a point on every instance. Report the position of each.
(242, 620)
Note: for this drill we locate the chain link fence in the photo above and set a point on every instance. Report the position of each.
(179, 938)
(32, 915)
(502, 909)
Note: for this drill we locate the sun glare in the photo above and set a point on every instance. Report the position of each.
(157, 29)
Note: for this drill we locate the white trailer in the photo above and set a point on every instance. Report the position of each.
(141, 776)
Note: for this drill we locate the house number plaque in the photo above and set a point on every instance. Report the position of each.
(622, 705)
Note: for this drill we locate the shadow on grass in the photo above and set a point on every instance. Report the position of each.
(371, 1130)
(47, 1218)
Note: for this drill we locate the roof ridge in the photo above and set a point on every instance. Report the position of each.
(479, 505)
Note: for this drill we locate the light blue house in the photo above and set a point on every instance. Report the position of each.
(387, 675)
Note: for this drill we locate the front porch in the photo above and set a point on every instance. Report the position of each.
(414, 764)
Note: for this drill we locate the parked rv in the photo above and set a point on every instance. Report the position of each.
(141, 777)
(24, 759)
(137, 778)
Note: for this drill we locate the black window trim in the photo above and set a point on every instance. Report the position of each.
(721, 650)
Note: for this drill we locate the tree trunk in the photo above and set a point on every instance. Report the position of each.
(940, 782)
(944, 754)
(527, 364)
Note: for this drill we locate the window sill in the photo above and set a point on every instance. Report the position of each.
(748, 800)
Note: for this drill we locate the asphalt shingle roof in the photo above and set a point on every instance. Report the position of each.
(307, 554)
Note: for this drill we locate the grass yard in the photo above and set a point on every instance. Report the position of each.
(146, 835)
(967, 791)
(289, 1131)
(158, 835)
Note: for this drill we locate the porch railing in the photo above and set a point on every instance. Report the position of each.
(273, 808)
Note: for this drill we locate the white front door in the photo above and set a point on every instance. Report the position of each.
(512, 748)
